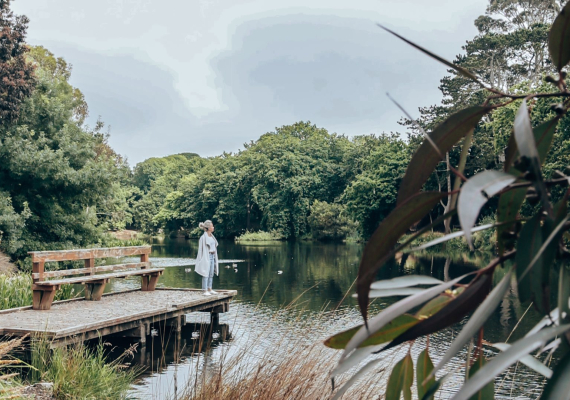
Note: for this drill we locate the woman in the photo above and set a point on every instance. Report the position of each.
(207, 259)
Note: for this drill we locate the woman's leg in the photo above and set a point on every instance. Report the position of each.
(204, 282)
(211, 275)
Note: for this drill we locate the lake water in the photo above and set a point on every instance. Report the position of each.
(313, 277)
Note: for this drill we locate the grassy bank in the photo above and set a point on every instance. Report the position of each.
(16, 291)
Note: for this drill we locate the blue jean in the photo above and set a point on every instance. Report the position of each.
(207, 280)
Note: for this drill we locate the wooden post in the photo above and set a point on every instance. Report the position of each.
(90, 263)
(144, 258)
(38, 268)
(94, 290)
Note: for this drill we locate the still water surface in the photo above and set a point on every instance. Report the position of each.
(315, 277)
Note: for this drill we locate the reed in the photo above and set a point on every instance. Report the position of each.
(79, 372)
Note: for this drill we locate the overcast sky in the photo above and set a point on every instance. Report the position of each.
(206, 76)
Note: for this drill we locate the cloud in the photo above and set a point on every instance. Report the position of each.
(274, 70)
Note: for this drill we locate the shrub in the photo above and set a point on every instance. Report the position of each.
(328, 221)
(259, 236)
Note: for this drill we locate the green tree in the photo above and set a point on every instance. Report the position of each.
(16, 73)
(50, 171)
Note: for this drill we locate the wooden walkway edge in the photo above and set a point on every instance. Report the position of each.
(131, 312)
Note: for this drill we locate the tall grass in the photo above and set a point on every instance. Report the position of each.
(79, 372)
(297, 366)
(9, 386)
(16, 291)
(260, 236)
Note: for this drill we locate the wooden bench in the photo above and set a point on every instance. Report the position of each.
(94, 278)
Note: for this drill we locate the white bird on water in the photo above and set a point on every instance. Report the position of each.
(235, 269)
(234, 265)
(279, 272)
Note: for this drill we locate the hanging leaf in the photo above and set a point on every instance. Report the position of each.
(374, 294)
(475, 193)
(451, 313)
(401, 380)
(528, 245)
(445, 136)
(386, 236)
(479, 317)
(459, 69)
(369, 365)
(559, 39)
(450, 236)
(488, 391)
(505, 359)
(529, 361)
(564, 289)
(430, 392)
(395, 327)
(526, 144)
(405, 281)
(558, 387)
(424, 368)
(389, 332)
(510, 202)
(351, 356)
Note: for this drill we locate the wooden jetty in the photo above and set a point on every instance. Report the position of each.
(130, 313)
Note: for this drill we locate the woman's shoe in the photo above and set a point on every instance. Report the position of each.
(206, 293)
(213, 292)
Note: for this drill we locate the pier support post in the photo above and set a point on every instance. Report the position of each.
(214, 319)
(142, 335)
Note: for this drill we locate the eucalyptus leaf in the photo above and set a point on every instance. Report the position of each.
(505, 359)
(401, 380)
(479, 317)
(405, 281)
(559, 39)
(559, 386)
(511, 201)
(389, 332)
(354, 378)
(374, 294)
(451, 236)
(475, 193)
(528, 360)
(424, 368)
(488, 391)
(526, 145)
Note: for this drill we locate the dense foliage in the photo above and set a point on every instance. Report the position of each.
(275, 184)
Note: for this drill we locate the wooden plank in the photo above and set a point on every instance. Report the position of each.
(82, 271)
(82, 254)
(12, 310)
(84, 279)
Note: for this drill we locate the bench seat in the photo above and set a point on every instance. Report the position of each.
(91, 278)
(43, 289)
